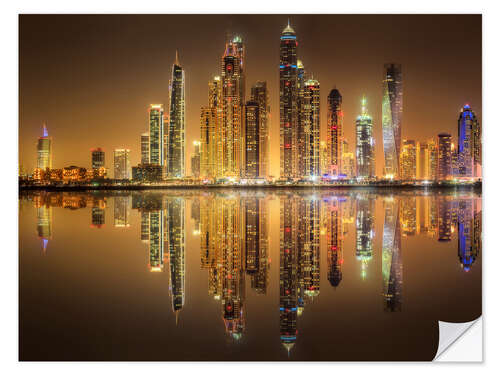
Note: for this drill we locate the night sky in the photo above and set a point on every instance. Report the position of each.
(92, 77)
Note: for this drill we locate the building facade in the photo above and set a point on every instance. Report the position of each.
(288, 104)
(365, 150)
(392, 112)
(156, 135)
(444, 160)
(259, 94)
(175, 158)
(121, 164)
(311, 130)
(408, 160)
(469, 143)
(145, 148)
(334, 132)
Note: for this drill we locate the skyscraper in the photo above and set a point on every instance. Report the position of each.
(122, 164)
(232, 105)
(392, 111)
(334, 132)
(408, 160)
(156, 135)
(444, 162)
(259, 95)
(252, 144)
(177, 125)
(288, 103)
(311, 130)
(423, 161)
(469, 143)
(145, 148)
(44, 154)
(365, 153)
(98, 160)
(195, 160)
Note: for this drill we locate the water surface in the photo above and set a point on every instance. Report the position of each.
(245, 275)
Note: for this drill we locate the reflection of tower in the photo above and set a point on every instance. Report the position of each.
(174, 231)
(392, 264)
(469, 232)
(444, 218)
(364, 231)
(122, 211)
(334, 241)
(144, 226)
(44, 222)
(195, 215)
(156, 242)
(256, 242)
(98, 217)
(408, 218)
(309, 247)
(288, 271)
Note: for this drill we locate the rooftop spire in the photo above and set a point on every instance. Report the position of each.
(45, 131)
(288, 28)
(176, 57)
(363, 106)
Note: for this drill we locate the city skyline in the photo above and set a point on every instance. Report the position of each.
(307, 41)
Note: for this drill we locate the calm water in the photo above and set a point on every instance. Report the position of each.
(245, 275)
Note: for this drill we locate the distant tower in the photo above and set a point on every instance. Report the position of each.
(334, 132)
(365, 154)
(98, 158)
(408, 160)
(311, 124)
(259, 95)
(232, 104)
(392, 112)
(177, 125)
(145, 148)
(288, 103)
(122, 164)
(252, 144)
(195, 160)
(44, 153)
(156, 137)
(469, 143)
(444, 162)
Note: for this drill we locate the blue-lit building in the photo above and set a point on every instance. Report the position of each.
(469, 143)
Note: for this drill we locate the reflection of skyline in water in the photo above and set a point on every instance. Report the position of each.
(233, 230)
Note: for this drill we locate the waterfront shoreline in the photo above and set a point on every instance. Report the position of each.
(477, 187)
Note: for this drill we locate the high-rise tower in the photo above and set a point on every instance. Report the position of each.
(444, 164)
(334, 132)
(392, 111)
(469, 143)
(311, 124)
(156, 137)
(288, 103)
(232, 104)
(259, 95)
(365, 155)
(44, 154)
(177, 125)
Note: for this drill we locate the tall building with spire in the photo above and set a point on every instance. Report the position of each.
(334, 132)
(365, 145)
(44, 154)
(392, 112)
(156, 135)
(311, 132)
(176, 147)
(233, 81)
(288, 104)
